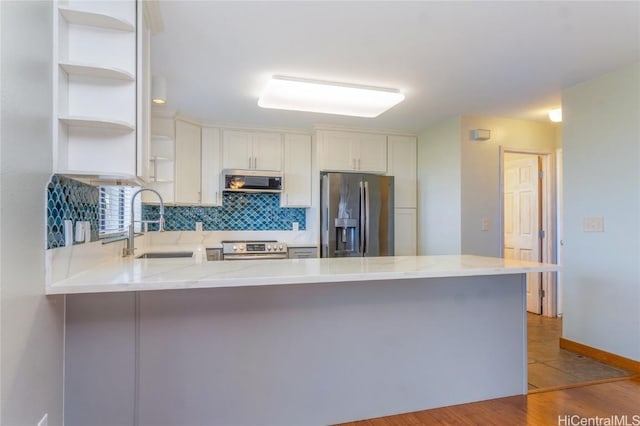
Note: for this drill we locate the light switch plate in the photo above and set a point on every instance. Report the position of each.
(593, 224)
(485, 224)
(295, 226)
(198, 226)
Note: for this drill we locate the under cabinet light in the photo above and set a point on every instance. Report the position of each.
(296, 94)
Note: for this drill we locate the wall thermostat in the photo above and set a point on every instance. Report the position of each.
(480, 134)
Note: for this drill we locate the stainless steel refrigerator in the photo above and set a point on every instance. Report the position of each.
(356, 215)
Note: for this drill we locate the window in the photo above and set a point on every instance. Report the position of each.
(115, 209)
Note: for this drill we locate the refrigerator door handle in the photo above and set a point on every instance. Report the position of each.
(366, 220)
(362, 217)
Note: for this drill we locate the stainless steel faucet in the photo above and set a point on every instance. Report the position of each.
(130, 249)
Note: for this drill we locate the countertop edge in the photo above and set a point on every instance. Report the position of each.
(308, 279)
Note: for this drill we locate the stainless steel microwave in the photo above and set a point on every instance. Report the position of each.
(251, 181)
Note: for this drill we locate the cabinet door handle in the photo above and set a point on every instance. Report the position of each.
(249, 162)
(358, 164)
(353, 161)
(155, 170)
(255, 163)
(216, 197)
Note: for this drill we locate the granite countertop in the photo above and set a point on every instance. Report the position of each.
(128, 274)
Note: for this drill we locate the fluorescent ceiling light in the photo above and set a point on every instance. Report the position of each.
(555, 115)
(330, 98)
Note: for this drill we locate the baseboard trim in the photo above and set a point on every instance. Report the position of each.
(579, 385)
(600, 355)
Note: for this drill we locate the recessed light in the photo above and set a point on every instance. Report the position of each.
(555, 115)
(297, 94)
(159, 90)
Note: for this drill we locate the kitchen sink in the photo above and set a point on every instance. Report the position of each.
(165, 254)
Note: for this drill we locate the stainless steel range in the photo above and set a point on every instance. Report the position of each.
(248, 250)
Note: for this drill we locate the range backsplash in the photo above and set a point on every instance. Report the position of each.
(239, 212)
(69, 199)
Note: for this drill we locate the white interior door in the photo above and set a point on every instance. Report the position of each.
(522, 218)
(560, 228)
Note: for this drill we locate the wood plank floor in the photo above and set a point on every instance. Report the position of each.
(549, 366)
(616, 398)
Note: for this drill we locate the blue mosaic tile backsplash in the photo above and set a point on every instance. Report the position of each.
(69, 199)
(239, 212)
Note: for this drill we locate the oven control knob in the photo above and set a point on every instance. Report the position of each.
(280, 247)
(269, 247)
(235, 248)
(241, 247)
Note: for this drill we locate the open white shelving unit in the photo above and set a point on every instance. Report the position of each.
(95, 87)
(162, 154)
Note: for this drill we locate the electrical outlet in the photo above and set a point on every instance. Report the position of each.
(295, 226)
(44, 421)
(485, 225)
(198, 226)
(593, 224)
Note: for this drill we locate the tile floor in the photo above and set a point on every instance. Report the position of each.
(551, 366)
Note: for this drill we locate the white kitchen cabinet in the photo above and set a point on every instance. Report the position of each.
(197, 165)
(251, 150)
(211, 167)
(405, 232)
(188, 163)
(352, 151)
(296, 171)
(95, 94)
(143, 98)
(402, 164)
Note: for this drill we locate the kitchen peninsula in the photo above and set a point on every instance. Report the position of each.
(290, 342)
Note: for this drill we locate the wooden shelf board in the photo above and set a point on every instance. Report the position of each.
(81, 17)
(161, 138)
(96, 71)
(101, 123)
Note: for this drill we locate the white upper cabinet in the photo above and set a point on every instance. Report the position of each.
(96, 90)
(296, 171)
(251, 150)
(188, 163)
(402, 156)
(372, 153)
(211, 167)
(197, 164)
(352, 151)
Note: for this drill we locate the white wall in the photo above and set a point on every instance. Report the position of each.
(439, 189)
(31, 324)
(480, 168)
(459, 181)
(601, 144)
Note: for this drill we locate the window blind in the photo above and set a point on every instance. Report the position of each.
(115, 209)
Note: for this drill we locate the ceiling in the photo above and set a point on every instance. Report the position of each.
(507, 59)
